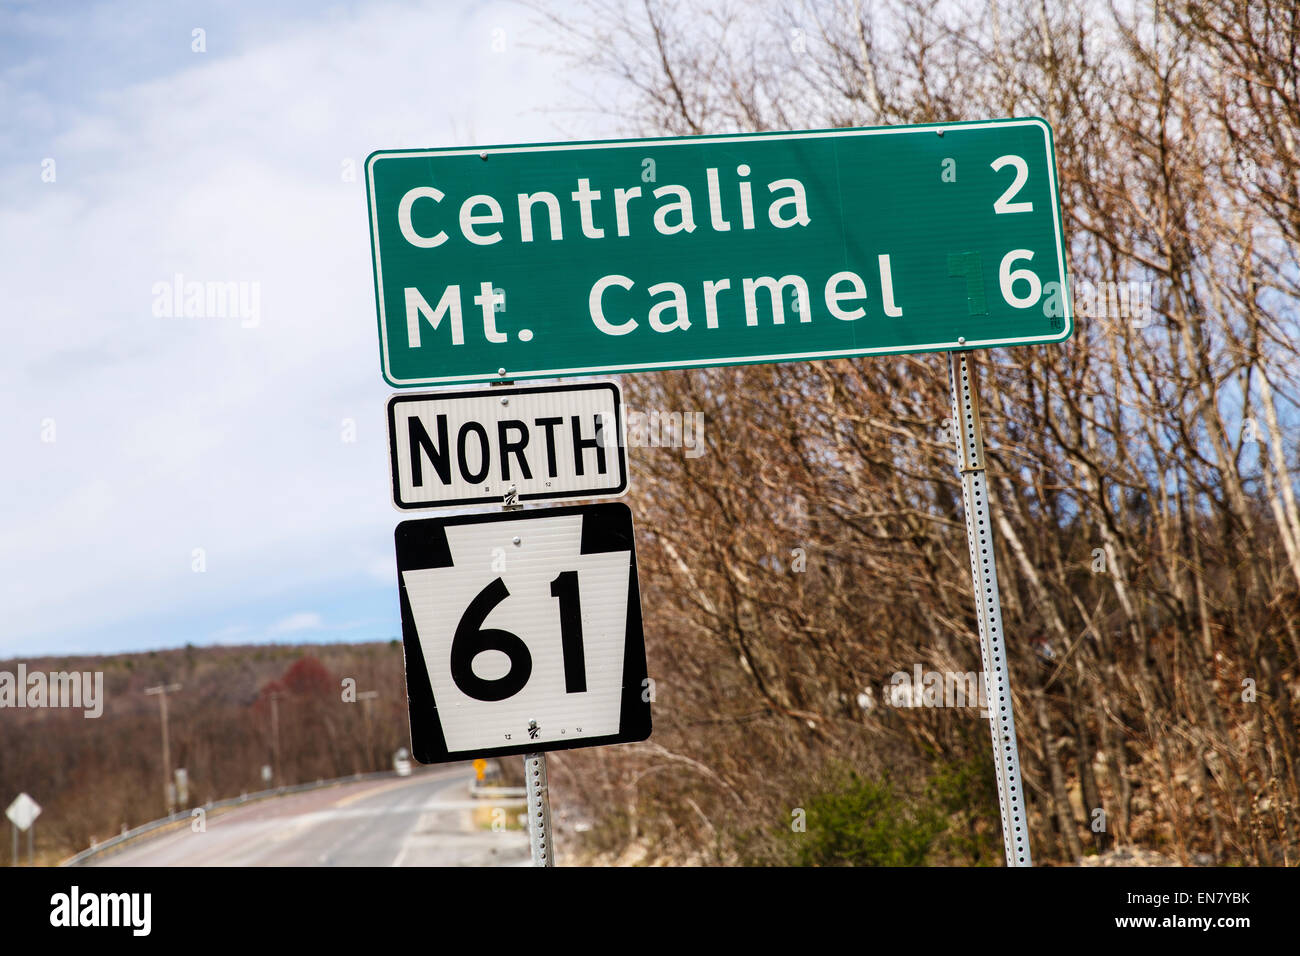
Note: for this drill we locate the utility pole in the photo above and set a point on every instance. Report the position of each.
(275, 736)
(366, 697)
(162, 690)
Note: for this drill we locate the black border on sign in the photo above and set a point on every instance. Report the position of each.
(612, 490)
(422, 543)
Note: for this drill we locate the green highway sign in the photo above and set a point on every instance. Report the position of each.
(593, 258)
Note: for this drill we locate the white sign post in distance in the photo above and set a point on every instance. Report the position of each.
(22, 813)
(544, 443)
(522, 632)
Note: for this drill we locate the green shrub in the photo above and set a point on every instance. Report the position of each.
(855, 821)
(966, 793)
(860, 822)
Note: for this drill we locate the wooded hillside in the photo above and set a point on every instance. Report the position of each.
(94, 776)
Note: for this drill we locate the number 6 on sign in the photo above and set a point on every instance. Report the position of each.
(543, 650)
(471, 640)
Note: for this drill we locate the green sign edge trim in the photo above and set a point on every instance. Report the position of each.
(515, 374)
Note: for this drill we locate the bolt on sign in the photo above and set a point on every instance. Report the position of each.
(531, 261)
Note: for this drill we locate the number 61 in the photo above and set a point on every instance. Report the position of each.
(472, 639)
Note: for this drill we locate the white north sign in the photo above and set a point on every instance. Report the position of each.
(545, 443)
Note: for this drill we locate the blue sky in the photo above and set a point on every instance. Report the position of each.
(139, 446)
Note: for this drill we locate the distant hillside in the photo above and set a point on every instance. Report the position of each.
(92, 776)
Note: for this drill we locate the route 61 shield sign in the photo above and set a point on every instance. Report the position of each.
(522, 632)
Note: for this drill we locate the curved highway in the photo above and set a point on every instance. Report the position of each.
(428, 819)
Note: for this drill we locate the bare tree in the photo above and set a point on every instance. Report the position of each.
(1145, 471)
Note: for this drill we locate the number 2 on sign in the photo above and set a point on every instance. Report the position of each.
(472, 639)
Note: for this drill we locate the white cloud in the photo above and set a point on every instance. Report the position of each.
(179, 434)
(231, 634)
(301, 621)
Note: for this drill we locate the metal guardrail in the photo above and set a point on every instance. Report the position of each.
(244, 798)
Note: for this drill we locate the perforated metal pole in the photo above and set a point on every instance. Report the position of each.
(539, 795)
(539, 810)
(984, 574)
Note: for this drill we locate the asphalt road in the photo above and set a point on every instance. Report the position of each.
(428, 819)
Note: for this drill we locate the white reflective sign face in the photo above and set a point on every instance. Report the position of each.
(547, 443)
(522, 631)
(23, 812)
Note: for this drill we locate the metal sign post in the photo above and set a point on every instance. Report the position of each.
(539, 810)
(963, 379)
(22, 814)
(539, 794)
